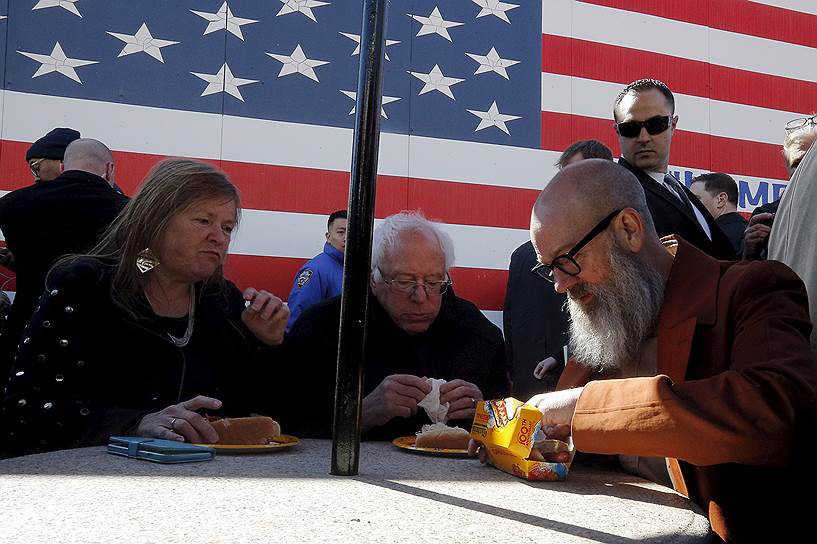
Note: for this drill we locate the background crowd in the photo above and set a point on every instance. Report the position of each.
(648, 319)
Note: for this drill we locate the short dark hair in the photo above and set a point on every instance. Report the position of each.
(339, 214)
(641, 85)
(718, 182)
(590, 149)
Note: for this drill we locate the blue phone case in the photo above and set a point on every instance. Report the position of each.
(158, 450)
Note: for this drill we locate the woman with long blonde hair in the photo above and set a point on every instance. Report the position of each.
(144, 332)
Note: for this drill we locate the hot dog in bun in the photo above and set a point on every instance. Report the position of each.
(246, 430)
(441, 436)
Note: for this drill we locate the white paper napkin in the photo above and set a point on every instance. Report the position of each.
(431, 403)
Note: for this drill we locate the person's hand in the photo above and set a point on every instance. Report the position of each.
(551, 432)
(7, 259)
(544, 451)
(461, 397)
(181, 423)
(557, 407)
(756, 236)
(544, 366)
(477, 448)
(265, 315)
(396, 396)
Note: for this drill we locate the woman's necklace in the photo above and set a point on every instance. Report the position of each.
(191, 315)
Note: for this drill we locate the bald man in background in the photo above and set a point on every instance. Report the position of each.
(45, 221)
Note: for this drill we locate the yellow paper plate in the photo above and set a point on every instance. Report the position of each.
(407, 443)
(281, 442)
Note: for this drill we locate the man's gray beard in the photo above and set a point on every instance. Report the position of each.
(623, 313)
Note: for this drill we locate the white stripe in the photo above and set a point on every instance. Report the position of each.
(623, 28)
(313, 146)
(763, 55)
(592, 98)
(142, 129)
(284, 234)
(136, 129)
(803, 6)
(482, 164)
(2, 113)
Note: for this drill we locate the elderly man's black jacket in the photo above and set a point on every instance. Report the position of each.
(43, 222)
(461, 343)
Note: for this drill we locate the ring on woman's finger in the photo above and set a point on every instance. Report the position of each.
(473, 402)
(172, 424)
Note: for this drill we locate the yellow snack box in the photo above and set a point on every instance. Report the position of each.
(507, 428)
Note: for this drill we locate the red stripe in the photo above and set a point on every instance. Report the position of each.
(294, 189)
(130, 167)
(304, 190)
(485, 288)
(601, 62)
(690, 149)
(740, 16)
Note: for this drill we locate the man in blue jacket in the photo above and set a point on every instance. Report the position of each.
(321, 277)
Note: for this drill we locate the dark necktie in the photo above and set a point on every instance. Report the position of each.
(676, 186)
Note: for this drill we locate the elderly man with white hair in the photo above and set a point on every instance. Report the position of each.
(417, 329)
(791, 239)
(801, 133)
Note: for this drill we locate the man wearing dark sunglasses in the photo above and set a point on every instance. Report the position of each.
(644, 114)
(696, 373)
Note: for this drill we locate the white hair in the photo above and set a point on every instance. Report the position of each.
(387, 236)
(799, 139)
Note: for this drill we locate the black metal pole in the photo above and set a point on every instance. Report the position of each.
(362, 184)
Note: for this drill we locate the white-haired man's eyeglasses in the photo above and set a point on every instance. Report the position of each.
(800, 122)
(407, 287)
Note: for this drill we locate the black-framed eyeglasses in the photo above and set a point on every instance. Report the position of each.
(566, 262)
(800, 122)
(654, 125)
(407, 287)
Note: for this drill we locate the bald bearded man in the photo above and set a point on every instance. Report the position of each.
(682, 364)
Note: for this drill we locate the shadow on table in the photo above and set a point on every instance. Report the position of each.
(378, 466)
(582, 480)
(520, 517)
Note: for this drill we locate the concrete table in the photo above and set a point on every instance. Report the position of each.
(88, 496)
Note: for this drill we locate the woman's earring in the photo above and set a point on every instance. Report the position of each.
(146, 260)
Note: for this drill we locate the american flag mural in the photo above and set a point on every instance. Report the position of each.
(480, 98)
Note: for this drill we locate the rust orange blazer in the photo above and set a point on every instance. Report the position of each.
(733, 406)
